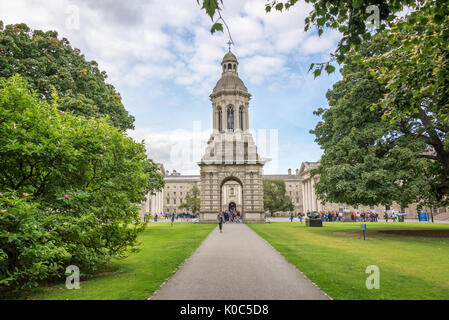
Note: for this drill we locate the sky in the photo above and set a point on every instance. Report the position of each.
(162, 58)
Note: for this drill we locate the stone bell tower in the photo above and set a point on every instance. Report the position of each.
(231, 154)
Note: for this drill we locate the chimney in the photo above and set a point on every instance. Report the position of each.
(289, 172)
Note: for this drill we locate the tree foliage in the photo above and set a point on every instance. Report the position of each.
(370, 157)
(275, 197)
(192, 201)
(47, 62)
(70, 188)
(351, 18)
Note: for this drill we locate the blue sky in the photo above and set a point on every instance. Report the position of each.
(163, 60)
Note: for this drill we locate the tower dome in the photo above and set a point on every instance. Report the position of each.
(230, 80)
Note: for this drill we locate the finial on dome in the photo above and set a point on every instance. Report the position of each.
(229, 43)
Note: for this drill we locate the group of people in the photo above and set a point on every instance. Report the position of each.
(228, 216)
(334, 216)
(365, 217)
(172, 216)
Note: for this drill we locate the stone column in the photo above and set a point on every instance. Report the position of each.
(303, 197)
(236, 118)
(312, 183)
(306, 187)
(224, 119)
(309, 182)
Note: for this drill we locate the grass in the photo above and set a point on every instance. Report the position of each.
(335, 257)
(162, 251)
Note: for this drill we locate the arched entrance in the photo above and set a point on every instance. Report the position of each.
(231, 196)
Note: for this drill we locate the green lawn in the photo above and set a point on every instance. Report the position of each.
(335, 257)
(163, 249)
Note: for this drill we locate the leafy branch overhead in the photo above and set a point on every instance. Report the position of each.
(354, 19)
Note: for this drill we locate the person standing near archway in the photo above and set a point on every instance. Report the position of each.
(220, 221)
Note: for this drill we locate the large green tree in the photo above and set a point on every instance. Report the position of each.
(192, 201)
(47, 62)
(70, 188)
(275, 196)
(368, 157)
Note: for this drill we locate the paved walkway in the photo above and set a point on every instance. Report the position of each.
(237, 265)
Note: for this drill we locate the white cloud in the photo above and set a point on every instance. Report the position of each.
(177, 149)
(139, 41)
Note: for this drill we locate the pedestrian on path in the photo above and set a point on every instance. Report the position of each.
(291, 216)
(172, 219)
(220, 221)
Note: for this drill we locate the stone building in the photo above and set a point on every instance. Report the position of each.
(312, 203)
(231, 170)
(231, 156)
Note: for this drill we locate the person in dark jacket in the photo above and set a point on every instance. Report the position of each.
(220, 221)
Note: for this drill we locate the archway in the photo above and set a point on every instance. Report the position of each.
(231, 196)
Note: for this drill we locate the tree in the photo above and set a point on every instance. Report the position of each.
(275, 197)
(416, 72)
(367, 158)
(47, 62)
(192, 201)
(71, 188)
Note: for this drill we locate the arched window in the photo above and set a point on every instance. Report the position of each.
(230, 118)
(229, 67)
(235, 68)
(241, 118)
(220, 120)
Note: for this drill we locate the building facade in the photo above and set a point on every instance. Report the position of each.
(231, 170)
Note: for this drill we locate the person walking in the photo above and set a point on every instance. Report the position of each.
(220, 221)
(172, 219)
(291, 216)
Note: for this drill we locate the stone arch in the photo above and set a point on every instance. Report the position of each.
(233, 178)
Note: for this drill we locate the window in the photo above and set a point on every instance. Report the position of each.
(232, 191)
(387, 208)
(174, 194)
(297, 200)
(290, 193)
(174, 201)
(371, 207)
(168, 201)
(241, 118)
(403, 210)
(229, 67)
(220, 119)
(230, 118)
